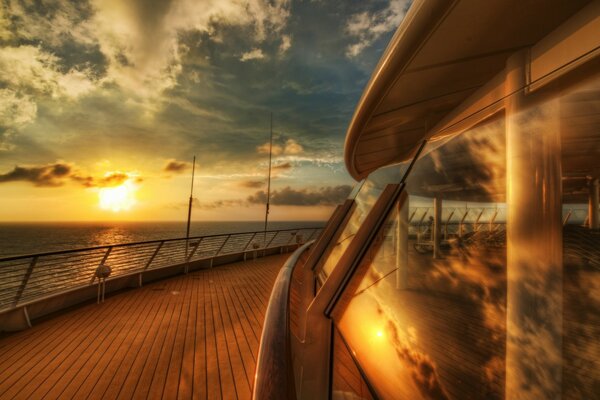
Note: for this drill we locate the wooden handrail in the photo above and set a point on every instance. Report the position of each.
(274, 377)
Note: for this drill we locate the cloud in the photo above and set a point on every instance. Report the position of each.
(254, 54)
(5, 33)
(264, 149)
(286, 43)
(29, 75)
(59, 173)
(252, 184)
(215, 204)
(324, 196)
(31, 70)
(16, 109)
(366, 27)
(140, 41)
(110, 179)
(283, 166)
(177, 167)
(43, 176)
(292, 147)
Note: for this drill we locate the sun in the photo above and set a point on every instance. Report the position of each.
(118, 198)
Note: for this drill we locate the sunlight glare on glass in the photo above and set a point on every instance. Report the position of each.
(118, 198)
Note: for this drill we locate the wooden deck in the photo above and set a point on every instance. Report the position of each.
(193, 336)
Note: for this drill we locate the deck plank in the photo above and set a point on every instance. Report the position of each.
(83, 361)
(48, 359)
(193, 336)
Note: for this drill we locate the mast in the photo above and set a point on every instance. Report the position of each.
(189, 216)
(268, 183)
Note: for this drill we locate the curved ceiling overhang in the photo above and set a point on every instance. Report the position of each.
(442, 53)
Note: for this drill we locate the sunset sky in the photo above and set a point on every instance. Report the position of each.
(111, 98)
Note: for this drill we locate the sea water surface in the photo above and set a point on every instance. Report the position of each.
(30, 238)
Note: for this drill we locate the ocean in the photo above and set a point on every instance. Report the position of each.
(29, 238)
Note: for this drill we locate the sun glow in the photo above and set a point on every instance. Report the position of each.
(118, 198)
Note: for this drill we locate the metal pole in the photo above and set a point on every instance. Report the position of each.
(402, 225)
(594, 204)
(189, 217)
(437, 219)
(268, 182)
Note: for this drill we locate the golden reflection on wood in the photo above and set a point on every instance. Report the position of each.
(193, 336)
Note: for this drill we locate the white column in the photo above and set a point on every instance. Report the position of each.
(437, 226)
(534, 242)
(594, 204)
(402, 243)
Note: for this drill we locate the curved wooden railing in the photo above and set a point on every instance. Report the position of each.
(35, 277)
(274, 378)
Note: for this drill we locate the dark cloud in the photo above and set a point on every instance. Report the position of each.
(57, 174)
(252, 184)
(44, 176)
(215, 204)
(111, 180)
(325, 196)
(176, 166)
(282, 166)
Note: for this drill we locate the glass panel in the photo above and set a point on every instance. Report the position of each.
(347, 382)
(366, 197)
(580, 146)
(485, 280)
(427, 325)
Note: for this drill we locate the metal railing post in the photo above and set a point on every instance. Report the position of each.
(276, 233)
(189, 257)
(476, 223)
(413, 214)
(219, 250)
(249, 241)
(292, 235)
(223, 245)
(127, 260)
(311, 235)
(152, 257)
(461, 224)
(248, 244)
(446, 226)
(493, 219)
(567, 217)
(25, 280)
(419, 226)
(270, 241)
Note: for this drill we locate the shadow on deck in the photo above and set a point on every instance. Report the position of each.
(191, 336)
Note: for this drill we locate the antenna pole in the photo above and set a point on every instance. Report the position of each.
(268, 183)
(189, 217)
